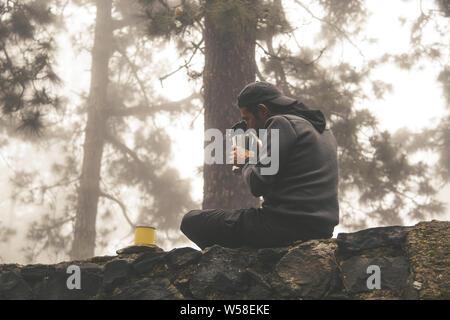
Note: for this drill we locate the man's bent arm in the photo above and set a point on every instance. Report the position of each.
(258, 182)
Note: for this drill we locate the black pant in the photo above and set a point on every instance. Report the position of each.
(249, 227)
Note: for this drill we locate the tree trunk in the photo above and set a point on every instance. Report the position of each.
(230, 38)
(88, 193)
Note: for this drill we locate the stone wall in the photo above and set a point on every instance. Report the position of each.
(413, 264)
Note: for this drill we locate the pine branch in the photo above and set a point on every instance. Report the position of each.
(280, 75)
(122, 207)
(286, 59)
(148, 110)
(187, 63)
(134, 70)
(148, 175)
(45, 188)
(331, 25)
(120, 24)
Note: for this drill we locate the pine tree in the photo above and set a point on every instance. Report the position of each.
(26, 72)
(120, 104)
(27, 76)
(230, 39)
(437, 139)
(104, 118)
(374, 167)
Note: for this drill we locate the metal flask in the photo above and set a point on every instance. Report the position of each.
(240, 138)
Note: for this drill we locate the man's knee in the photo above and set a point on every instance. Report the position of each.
(189, 223)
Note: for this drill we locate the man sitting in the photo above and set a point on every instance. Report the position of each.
(300, 200)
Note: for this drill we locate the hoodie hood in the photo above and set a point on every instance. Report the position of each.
(315, 117)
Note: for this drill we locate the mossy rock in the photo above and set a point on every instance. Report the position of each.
(428, 250)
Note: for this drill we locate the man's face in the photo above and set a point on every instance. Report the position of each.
(255, 121)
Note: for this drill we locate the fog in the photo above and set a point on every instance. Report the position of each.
(413, 99)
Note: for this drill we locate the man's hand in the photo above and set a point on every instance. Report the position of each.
(241, 153)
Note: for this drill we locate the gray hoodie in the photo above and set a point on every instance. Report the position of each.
(306, 184)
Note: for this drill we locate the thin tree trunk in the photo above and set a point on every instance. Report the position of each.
(230, 38)
(88, 193)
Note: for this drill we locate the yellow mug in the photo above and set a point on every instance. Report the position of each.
(144, 235)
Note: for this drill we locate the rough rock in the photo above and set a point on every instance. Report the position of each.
(427, 249)
(221, 273)
(36, 272)
(393, 276)
(299, 282)
(148, 262)
(413, 263)
(54, 286)
(139, 249)
(354, 243)
(180, 257)
(149, 289)
(115, 273)
(12, 286)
